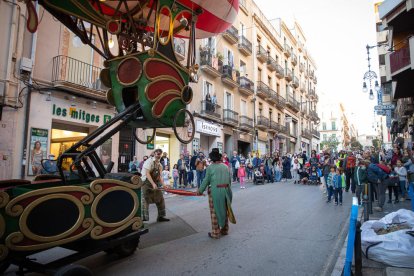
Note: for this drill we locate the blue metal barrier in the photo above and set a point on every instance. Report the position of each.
(351, 237)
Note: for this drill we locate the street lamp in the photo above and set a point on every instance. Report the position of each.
(369, 76)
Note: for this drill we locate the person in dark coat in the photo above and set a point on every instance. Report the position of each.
(286, 164)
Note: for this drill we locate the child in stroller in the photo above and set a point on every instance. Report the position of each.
(313, 176)
(259, 175)
(304, 176)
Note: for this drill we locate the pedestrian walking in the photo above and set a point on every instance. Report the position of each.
(218, 184)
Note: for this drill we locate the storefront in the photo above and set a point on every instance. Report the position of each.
(244, 143)
(305, 145)
(262, 142)
(207, 136)
(60, 123)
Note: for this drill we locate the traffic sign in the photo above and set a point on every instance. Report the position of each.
(384, 107)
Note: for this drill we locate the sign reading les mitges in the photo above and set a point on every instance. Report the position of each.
(80, 114)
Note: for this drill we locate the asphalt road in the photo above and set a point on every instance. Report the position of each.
(282, 229)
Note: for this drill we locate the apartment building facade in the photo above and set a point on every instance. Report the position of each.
(335, 124)
(256, 91)
(396, 30)
(263, 83)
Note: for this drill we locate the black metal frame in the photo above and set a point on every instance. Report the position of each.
(83, 248)
(79, 156)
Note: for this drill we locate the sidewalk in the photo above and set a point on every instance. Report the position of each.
(370, 267)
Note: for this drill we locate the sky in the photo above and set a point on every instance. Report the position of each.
(337, 32)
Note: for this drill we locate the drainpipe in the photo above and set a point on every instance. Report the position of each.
(28, 101)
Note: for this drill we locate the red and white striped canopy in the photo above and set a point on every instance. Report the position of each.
(217, 15)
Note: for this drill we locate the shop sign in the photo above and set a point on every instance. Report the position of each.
(207, 128)
(78, 114)
(38, 150)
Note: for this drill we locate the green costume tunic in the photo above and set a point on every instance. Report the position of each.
(217, 174)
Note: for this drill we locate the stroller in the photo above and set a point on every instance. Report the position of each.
(258, 177)
(313, 176)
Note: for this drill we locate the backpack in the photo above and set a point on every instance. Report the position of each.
(384, 168)
(350, 162)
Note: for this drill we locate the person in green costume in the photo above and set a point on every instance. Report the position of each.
(218, 181)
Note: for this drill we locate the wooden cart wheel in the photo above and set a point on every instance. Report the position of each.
(127, 248)
(185, 132)
(73, 270)
(4, 265)
(145, 136)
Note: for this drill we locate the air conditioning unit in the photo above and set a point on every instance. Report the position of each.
(26, 65)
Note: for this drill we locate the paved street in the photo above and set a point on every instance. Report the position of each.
(282, 229)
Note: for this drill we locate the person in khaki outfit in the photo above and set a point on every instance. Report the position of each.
(151, 175)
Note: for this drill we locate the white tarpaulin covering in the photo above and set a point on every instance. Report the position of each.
(395, 248)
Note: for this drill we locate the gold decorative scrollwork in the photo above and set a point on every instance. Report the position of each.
(23, 219)
(96, 235)
(13, 239)
(4, 199)
(106, 192)
(96, 185)
(14, 209)
(4, 251)
(137, 224)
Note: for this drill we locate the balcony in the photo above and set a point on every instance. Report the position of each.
(295, 82)
(211, 111)
(272, 96)
(288, 74)
(79, 76)
(209, 63)
(303, 87)
(273, 126)
(311, 93)
(262, 90)
(314, 115)
(280, 73)
(271, 64)
(229, 76)
(306, 133)
(243, 6)
(401, 64)
(304, 111)
(280, 101)
(245, 46)
(300, 46)
(262, 123)
(261, 54)
(246, 86)
(316, 133)
(179, 48)
(294, 59)
(400, 59)
(231, 35)
(301, 67)
(230, 117)
(287, 50)
(246, 123)
(282, 129)
(292, 103)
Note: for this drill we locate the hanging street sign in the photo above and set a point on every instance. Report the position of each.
(384, 107)
(381, 112)
(388, 119)
(379, 96)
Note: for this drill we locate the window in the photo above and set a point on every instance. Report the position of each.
(228, 57)
(269, 81)
(270, 113)
(208, 89)
(259, 74)
(325, 137)
(228, 101)
(286, 67)
(243, 108)
(324, 126)
(243, 70)
(334, 136)
(279, 118)
(278, 88)
(242, 30)
(211, 44)
(333, 125)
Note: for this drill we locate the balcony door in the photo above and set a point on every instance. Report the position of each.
(243, 70)
(228, 57)
(210, 43)
(79, 66)
(243, 108)
(228, 101)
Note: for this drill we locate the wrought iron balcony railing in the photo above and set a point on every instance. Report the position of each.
(67, 71)
(230, 117)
